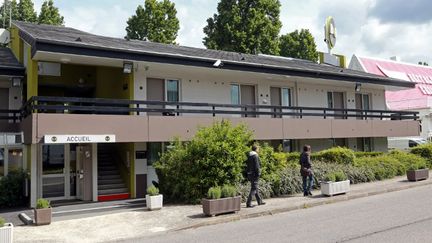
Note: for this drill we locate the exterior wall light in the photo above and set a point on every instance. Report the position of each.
(127, 67)
(358, 87)
(16, 82)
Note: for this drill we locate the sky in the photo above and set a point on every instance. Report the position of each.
(376, 28)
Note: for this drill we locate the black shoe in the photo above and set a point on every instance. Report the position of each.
(305, 194)
(310, 193)
(261, 203)
(250, 206)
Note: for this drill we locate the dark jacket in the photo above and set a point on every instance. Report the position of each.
(306, 165)
(253, 166)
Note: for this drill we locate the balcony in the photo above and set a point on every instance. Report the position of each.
(155, 121)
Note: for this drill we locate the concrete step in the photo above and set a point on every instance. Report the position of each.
(109, 177)
(111, 186)
(109, 181)
(108, 172)
(107, 168)
(112, 191)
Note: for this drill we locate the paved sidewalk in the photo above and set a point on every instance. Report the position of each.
(140, 223)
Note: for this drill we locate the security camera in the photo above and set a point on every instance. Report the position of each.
(218, 63)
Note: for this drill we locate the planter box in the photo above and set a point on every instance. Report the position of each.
(6, 233)
(333, 188)
(43, 216)
(416, 175)
(154, 202)
(212, 207)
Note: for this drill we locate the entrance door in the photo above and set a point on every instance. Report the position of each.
(336, 101)
(275, 99)
(247, 97)
(362, 103)
(84, 172)
(54, 166)
(155, 92)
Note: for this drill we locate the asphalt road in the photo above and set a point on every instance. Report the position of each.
(403, 216)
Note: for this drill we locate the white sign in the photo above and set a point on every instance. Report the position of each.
(49, 139)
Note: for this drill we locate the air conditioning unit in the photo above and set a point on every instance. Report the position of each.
(49, 69)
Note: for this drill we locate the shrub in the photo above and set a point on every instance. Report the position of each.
(336, 155)
(410, 161)
(42, 203)
(360, 154)
(293, 158)
(330, 177)
(265, 189)
(214, 192)
(425, 151)
(2, 222)
(215, 156)
(152, 191)
(383, 167)
(12, 189)
(340, 176)
(271, 163)
(290, 182)
(228, 191)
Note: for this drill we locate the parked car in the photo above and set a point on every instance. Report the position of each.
(405, 143)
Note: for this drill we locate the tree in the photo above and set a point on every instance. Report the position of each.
(50, 14)
(247, 26)
(299, 45)
(26, 11)
(156, 21)
(5, 15)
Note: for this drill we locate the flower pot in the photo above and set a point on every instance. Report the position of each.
(6, 233)
(43, 216)
(154, 202)
(416, 175)
(212, 207)
(332, 188)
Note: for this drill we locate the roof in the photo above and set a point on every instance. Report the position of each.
(421, 76)
(9, 65)
(72, 41)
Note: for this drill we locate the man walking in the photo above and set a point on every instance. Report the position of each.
(306, 170)
(253, 174)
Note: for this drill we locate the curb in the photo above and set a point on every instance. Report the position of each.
(330, 200)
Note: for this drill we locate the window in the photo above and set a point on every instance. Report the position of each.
(364, 144)
(2, 162)
(330, 100)
(15, 159)
(235, 94)
(154, 151)
(286, 97)
(172, 90)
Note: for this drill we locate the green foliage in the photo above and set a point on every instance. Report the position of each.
(293, 158)
(11, 189)
(215, 156)
(152, 191)
(2, 222)
(330, 177)
(156, 21)
(265, 189)
(5, 16)
(42, 203)
(228, 191)
(360, 154)
(290, 182)
(50, 14)
(271, 163)
(26, 11)
(337, 155)
(244, 26)
(214, 192)
(340, 176)
(298, 45)
(425, 151)
(384, 167)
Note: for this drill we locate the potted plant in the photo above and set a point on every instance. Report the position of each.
(154, 200)
(335, 183)
(43, 212)
(221, 200)
(417, 172)
(6, 231)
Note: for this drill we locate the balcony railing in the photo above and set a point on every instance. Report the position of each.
(127, 107)
(12, 116)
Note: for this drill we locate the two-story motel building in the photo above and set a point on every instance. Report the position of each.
(87, 115)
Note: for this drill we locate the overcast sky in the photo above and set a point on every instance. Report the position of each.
(377, 28)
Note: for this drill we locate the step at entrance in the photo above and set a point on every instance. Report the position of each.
(110, 183)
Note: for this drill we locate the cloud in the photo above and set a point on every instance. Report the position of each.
(407, 11)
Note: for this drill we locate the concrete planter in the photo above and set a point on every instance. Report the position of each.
(154, 202)
(212, 207)
(416, 175)
(332, 188)
(43, 216)
(6, 233)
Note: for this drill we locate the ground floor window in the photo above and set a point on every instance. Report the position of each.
(11, 159)
(364, 144)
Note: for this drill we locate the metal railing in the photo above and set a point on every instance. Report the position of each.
(13, 116)
(72, 105)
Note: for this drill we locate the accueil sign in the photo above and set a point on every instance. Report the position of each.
(50, 139)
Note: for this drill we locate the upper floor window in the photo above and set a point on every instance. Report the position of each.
(286, 97)
(235, 94)
(172, 90)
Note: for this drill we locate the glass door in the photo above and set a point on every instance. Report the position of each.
(53, 171)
